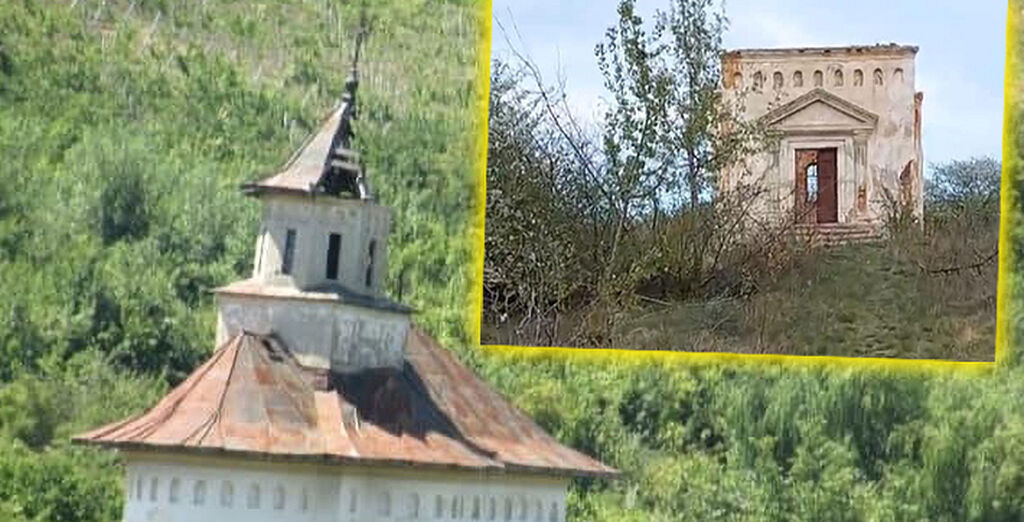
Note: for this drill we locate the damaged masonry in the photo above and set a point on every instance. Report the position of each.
(848, 121)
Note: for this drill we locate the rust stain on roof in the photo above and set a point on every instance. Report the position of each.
(252, 398)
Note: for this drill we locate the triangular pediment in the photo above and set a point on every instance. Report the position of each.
(820, 109)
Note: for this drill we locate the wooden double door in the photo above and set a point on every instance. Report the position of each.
(816, 197)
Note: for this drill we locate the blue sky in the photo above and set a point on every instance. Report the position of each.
(959, 66)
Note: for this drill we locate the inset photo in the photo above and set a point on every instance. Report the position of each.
(800, 178)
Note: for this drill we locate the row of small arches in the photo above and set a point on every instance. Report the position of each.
(253, 495)
(838, 79)
(456, 508)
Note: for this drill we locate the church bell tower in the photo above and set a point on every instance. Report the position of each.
(321, 258)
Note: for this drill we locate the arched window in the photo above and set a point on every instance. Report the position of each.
(858, 78)
(492, 509)
(798, 79)
(737, 80)
(508, 509)
(539, 516)
(456, 507)
(414, 505)
(758, 81)
(438, 506)
(819, 79)
(252, 500)
(154, 483)
(199, 492)
(279, 497)
(305, 499)
(812, 183)
(174, 492)
(353, 501)
(837, 80)
(475, 514)
(897, 76)
(553, 516)
(879, 77)
(522, 508)
(138, 488)
(777, 80)
(227, 494)
(384, 504)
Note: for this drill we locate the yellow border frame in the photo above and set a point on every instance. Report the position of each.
(1003, 331)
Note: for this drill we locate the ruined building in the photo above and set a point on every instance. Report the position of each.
(847, 128)
(323, 401)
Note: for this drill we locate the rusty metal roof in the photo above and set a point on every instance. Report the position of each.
(252, 398)
(304, 169)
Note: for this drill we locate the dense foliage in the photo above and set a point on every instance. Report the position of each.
(126, 128)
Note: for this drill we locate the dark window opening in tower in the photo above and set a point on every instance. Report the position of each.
(369, 264)
(259, 250)
(333, 255)
(289, 252)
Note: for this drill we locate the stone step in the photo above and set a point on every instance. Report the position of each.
(834, 234)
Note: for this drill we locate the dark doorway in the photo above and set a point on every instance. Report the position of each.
(816, 198)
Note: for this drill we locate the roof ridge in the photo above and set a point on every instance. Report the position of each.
(195, 379)
(211, 420)
(340, 107)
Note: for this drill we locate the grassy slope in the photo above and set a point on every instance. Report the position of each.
(858, 300)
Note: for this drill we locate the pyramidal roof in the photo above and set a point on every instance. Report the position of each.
(251, 398)
(325, 163)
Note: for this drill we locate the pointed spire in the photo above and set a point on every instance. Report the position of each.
(326, 163)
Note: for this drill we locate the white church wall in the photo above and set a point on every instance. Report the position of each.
(173, 489)
(322, 334)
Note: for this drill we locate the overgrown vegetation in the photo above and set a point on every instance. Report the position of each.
(617, 237)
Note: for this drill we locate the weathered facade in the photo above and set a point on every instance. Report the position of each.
(323, 402)
(847, 129)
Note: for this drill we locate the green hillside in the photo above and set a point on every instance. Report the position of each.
(126, 128)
